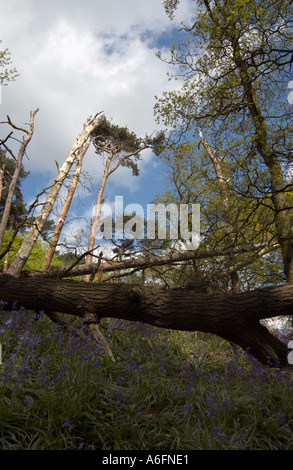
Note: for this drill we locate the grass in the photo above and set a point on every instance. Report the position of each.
(167, 390)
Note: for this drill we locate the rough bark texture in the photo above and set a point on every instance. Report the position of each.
(234, 317)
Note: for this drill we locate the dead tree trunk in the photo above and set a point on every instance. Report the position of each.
(21, 257)
(113, 154)
(235, 317)
(14, 179)
(95, 221)
(65, 208)
(1, 182)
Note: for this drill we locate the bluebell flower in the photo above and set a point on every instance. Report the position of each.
(67, 425)
(187, 409)
(281, 417)
(218, 435)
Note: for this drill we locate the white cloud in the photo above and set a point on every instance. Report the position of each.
(76, 58)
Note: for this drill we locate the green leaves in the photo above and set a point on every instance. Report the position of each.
(170, 7)
(234, 67)
(111, 134)
(7, 74)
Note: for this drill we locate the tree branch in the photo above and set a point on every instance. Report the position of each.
(144, 262)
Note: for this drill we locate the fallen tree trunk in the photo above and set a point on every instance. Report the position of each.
(233, 317)
(142, 262)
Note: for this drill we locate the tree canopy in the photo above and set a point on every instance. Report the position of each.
(235, 66)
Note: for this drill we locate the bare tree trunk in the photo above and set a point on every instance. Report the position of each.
(234, 317)
(65, 209)
(1, 183)
(12, 186)
(113, 153)
(21, 257)
(94, 327)
(92, 234)
(229, 239)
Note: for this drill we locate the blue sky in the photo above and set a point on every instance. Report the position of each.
(77, 58)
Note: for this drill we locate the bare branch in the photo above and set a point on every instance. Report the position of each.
(144, 262)
(6, 138)
(14, 179)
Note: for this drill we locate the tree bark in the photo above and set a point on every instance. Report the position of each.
(234, 317)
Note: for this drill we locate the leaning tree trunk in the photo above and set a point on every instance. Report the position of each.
(234, 317)
(21, 257)
(62, 217)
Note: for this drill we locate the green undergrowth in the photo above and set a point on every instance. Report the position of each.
(166, 390)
